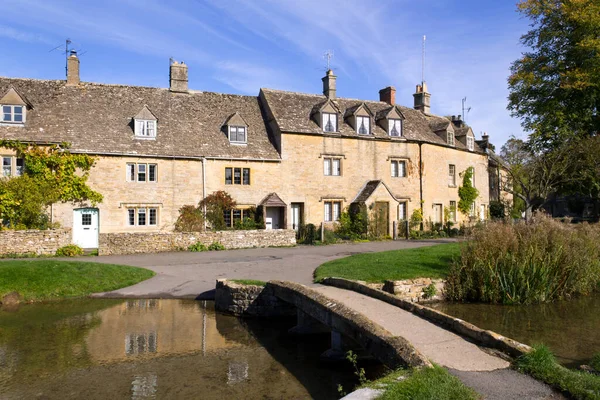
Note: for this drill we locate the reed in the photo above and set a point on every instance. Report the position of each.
(523, 263)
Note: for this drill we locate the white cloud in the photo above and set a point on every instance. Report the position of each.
(15, 34)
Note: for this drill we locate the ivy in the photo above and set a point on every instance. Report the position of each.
(52, 174)
(467, 193)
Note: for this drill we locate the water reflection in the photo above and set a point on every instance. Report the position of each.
(570, 328)
(145, 349)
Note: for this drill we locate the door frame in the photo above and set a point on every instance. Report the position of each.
(77, 212)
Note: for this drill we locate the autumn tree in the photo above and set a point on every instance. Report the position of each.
(213, 207)
(555, 86)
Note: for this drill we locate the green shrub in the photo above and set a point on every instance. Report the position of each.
(329, 237)
(216, 246)
(197, 247)
(523, 263)
(245, 224)
(190, 219)
(595, 362)
(307, 234)
(429, 291)
(70, 250)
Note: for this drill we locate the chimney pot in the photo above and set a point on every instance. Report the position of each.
(178, 77)
(388, 95)
(329, 88)
(73, 69)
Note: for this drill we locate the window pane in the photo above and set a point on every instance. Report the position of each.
(18, 110)
(141, 172)
(6, 117)
(131, 172)
(152, 216)
(402, 211)
(401, 168)
(363, 125)
(227, 218)
(336, 167)
(327, 166)
(329, 122)
(336, 210)
(18, 117)
(141, 216)
(237, 176)
(86, 219)
(327, 211)
(246, 176)
(395, 127)
(394, 168)
(6, 109)
(6, 166)
(131, 216)
(140, 128)
(152, 172)
(237, 216)
(241, 134)
(20, 166)
(228, 176)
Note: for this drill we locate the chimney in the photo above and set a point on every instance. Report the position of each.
(422, 99)
(329, 85)
(178, 76)
(457, 121)
(388, 95)
(73, 69)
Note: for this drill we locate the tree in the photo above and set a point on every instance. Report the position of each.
(555, 86)
(534, 175)
(214, 206)
(52, 174)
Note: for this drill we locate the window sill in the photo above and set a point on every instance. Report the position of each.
(399, 176)
(452, 186)
(239, 143)
(145, 138)
(17, 124)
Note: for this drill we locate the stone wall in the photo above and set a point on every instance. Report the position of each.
(413, 289)
(33, 241)
(155, 242)
(249, 300)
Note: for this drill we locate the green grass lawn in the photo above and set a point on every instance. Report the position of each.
(422, 262)
(249, 282)
(51, 279)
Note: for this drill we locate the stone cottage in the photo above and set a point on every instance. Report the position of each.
(303, 158)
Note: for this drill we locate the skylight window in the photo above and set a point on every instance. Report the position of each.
(145, 128)
(13, 114)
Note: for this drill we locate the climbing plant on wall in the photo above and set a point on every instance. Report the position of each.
(467, 193)
(51, 174)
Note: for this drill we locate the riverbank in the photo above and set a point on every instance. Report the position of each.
(46, 279)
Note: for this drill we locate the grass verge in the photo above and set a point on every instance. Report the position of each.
(39, 280)
(249, 282)
(422, 262)
(423, 384)
(542, 365)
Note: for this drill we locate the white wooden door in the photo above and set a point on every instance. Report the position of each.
(437, 213)
(295, 216)
(85, 228)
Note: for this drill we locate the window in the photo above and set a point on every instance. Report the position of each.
(332, 166)
(139, 343)
(237, 176)
(402, 211)
(20, 167)
(363, 125)
(332, 210)
(452, 175)
(14, 114)
(141, 172)
(453, 211)
(237, 134)
(329, 122)
(236, 215)
(142, 216)
(6, 166)
(395, 127)
(398, 168)
(145, 128)
(470, 143)
(450, 138)
(472, 210)
(86, 219)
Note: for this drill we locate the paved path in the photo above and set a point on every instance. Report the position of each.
(193, 275)
(487, 374)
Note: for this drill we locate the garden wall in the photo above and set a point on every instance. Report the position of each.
(155, 242)
(33, 241)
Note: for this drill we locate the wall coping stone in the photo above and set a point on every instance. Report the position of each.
(486, 338)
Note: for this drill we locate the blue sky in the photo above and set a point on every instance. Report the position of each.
(237, 46)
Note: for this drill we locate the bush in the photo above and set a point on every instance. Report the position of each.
(190, 219)
(197, 247)
(429, 291)
(70, 250)
(540, 261)
(307, 234)
(329, 237)
(216, 246)
(245, 225)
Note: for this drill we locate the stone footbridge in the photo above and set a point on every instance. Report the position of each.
(393, 335)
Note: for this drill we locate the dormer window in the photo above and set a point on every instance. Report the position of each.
(395, 127)
(145, 128)
(363, 125)
(450, 138)
(13, 114)
(470, 143)
(329, 122)
(237, 134)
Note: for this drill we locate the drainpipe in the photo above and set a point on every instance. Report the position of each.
(204, 188)
(421, 181)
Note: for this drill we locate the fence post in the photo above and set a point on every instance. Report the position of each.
(395, 230)
(407, 226)
(322, 231)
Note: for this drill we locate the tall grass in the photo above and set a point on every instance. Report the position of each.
(522, 263)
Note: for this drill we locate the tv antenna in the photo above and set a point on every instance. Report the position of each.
(423, 61)
(328, 56)
(68, 50)
(464, 102)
